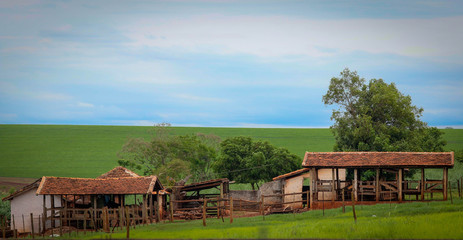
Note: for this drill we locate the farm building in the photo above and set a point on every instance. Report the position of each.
(86, 202)
(389, 182)
(23, 202)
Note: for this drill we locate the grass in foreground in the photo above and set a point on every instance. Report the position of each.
(435, 220)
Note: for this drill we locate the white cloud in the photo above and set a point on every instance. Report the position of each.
(280, 36)
(193, 98)
(85, 105)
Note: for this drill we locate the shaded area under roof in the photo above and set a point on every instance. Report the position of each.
(378, 159)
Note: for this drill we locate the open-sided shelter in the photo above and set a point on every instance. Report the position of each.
(382, 163)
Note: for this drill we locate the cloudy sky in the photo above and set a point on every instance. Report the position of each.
(221, 63)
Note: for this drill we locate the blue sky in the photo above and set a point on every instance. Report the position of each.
(221, 63)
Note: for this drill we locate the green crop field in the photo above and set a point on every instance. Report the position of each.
(418, 220)
(32, 151)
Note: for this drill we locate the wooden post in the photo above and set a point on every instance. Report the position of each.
(323, 202)
(445, 183)
(308, 200)
(95, 225)
(24, 224)
(338, 186)
(204, 211)
(450, 189)
(52, 200)
(262, 207)
(333, 193)
(3, 223)
(458, 186)
(343, 205)
(44, 216)
(159, 206)
(231, 210)
(15, 232)
(127, 227)
(378, 186)
(85, 222)
(353, 208)
(399, 184)
(355, 187)
(423, 184)
(312, 187)
(171, 210)
(61, 225)
(218, 209)
(32, 225)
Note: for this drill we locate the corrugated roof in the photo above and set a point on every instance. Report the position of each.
(204, 185)
(292, 174)
(378, 159)
(24, 189)
(118, 172)
(88, 186)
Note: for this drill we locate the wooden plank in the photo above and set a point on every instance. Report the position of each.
(44, 216)
(311, 187)
(333, 192)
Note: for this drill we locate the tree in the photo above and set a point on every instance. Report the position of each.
(245, 160)
(171, 157)
(376, 116)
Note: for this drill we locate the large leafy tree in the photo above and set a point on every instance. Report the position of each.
(376, 116)
(245, 160)
(171, 157)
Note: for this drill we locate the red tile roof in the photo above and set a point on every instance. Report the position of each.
(119, 172)
(88, 186)
(292, 174)
(33, 185)
(378, 159)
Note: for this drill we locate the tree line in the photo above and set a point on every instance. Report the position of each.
(200, 157)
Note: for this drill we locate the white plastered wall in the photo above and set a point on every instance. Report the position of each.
(294, 185)
(27, 203)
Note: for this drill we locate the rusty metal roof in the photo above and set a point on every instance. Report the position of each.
(291, 174)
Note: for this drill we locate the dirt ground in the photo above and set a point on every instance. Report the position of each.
(8, 183)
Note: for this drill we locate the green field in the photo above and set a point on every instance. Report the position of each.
(432, 220)
(33, 151)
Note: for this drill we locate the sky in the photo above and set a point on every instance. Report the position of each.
(221, 63)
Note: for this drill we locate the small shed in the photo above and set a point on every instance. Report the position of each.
(23, 202)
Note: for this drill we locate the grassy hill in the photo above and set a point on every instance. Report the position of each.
(33, 151)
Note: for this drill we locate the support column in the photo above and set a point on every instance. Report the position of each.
(44, 216)
(338, 186)
(422, 185)
(400, 184)
(311, 189)
(445, 182)
(355, 184)
(333, 192)
(377, 186)
(52, 211)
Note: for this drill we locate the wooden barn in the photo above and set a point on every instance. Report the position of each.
(389, 183)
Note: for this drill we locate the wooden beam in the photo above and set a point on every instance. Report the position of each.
(355, 185)
(445, 182)
(422, 185)
(338, 185)
(52, 200)
(44, 216)
(312, 186)
(377, 187)
(399, 184)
